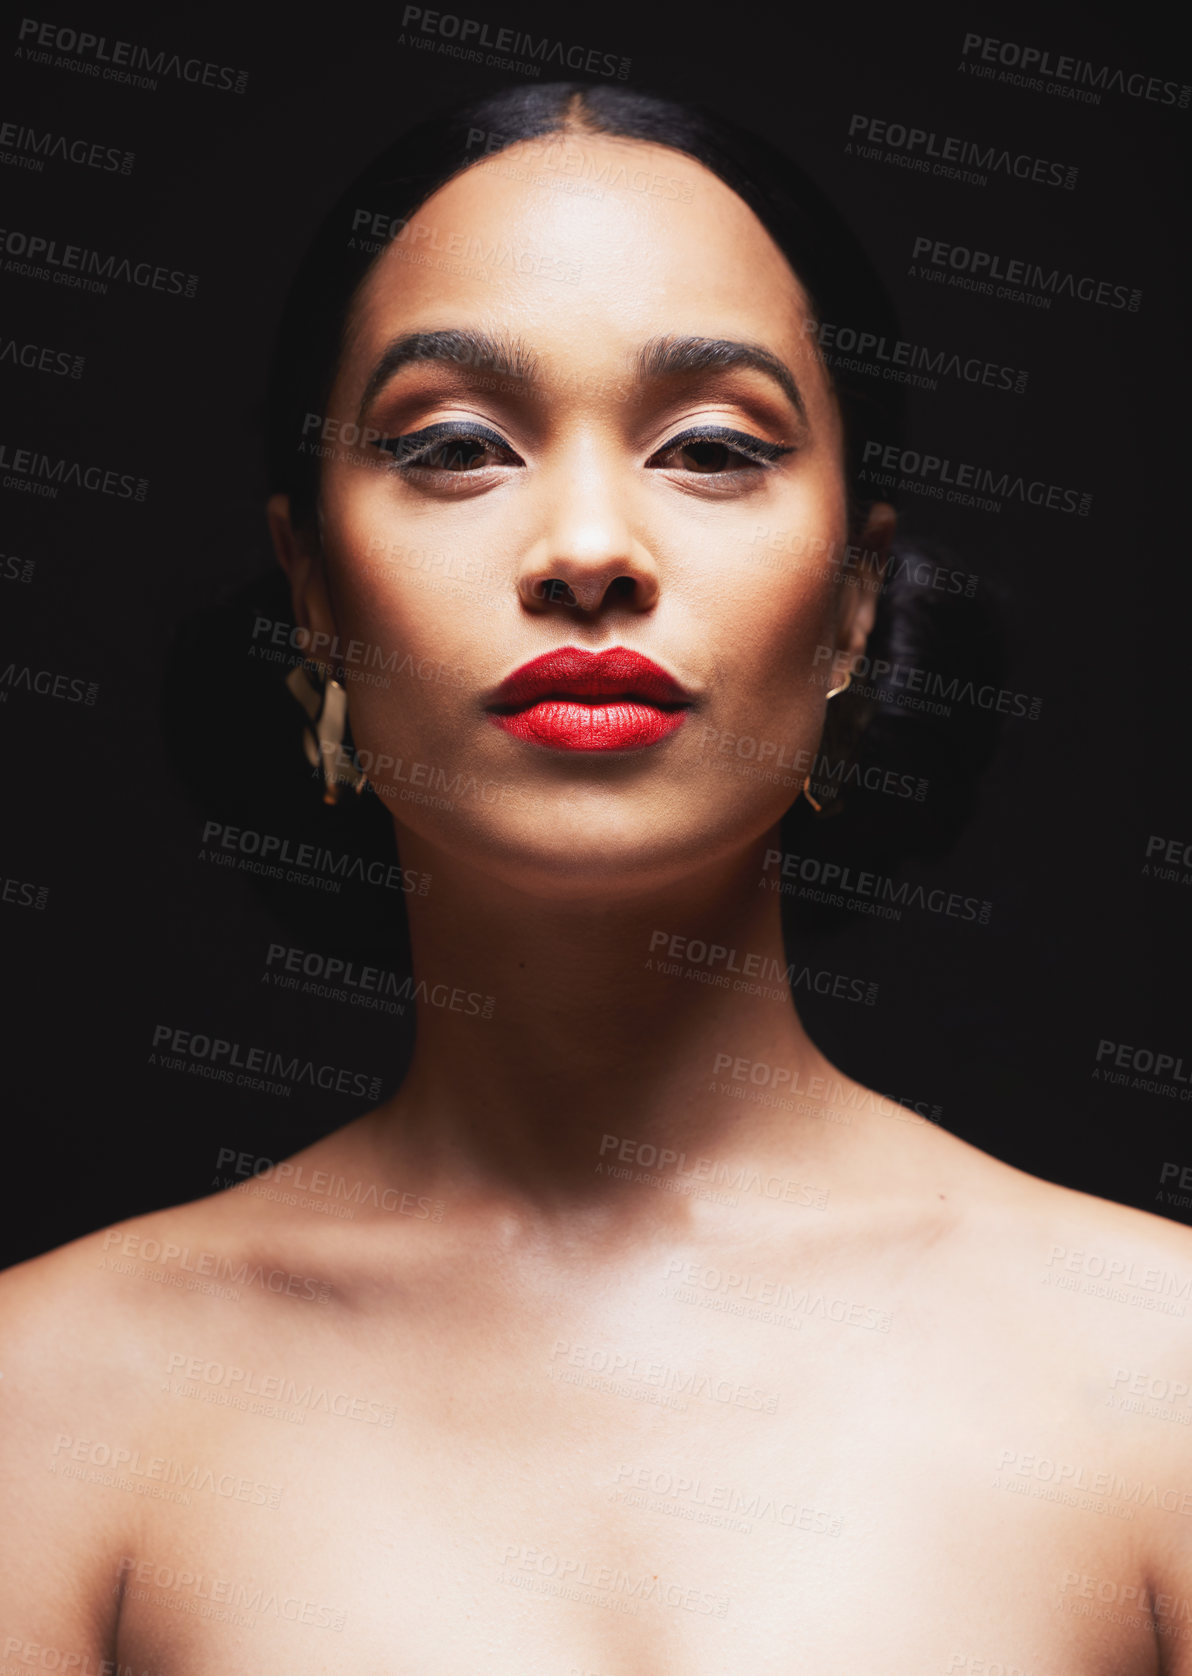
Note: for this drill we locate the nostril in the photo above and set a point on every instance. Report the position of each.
(622, 587)
(556, 592)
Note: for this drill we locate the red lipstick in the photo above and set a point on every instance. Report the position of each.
(572, 700)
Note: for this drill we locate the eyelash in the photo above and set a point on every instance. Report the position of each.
(410, 450)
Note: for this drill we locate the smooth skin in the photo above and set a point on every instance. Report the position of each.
(832, 1391)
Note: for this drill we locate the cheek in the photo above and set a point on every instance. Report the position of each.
(420, 573)
(772, 697)
(414, 675)
(398, 595)
(776, 619)
(401, 694)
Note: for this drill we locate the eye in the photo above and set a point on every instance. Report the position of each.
(717, 451)
(453, 449)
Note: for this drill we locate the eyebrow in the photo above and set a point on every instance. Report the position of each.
(485, 350)
(661, 357)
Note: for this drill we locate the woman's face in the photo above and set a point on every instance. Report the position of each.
(605, 480)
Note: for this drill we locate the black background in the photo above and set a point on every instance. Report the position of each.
(997, 1025)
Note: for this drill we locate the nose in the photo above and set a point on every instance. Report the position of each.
(586, 557)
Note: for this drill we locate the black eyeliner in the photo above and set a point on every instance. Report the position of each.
(753, 447)
(406, 449)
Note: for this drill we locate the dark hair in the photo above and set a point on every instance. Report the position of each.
(841, 284)
(868, 735)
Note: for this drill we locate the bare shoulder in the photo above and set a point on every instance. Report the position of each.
(1013, 1230)
(1089, 1303)
(1074, 1314)
(1074, 1243)
(1079, 1294)
(82, 1323)
(74, 1345)
(103, 1300)
(88, 1439)
(73, 1331)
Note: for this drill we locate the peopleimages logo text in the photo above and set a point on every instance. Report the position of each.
(312, 858)
(1039, 61)
(34, 146)
(75, 261)
(49, 474)
(985, 265)
(950, 148)
(471, 32)
(62, 363)
(216, 1051)
(47, 684)
(861, 351)
(937, 472)
(127, 56)
(812, 871)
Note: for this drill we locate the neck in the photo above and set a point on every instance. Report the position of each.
(621, 1028)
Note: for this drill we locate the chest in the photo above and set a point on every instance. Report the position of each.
(810, 1500)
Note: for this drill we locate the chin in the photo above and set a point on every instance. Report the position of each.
(594, 849)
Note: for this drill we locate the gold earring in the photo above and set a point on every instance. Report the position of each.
(323, 736)
(843, 687)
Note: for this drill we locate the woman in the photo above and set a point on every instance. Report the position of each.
(611, 1369)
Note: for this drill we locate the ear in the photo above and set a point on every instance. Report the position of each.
(858, 598)
(301, 559)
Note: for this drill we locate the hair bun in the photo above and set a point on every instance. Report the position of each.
(904, 748)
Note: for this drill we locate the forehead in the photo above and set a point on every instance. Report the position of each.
(586, 245)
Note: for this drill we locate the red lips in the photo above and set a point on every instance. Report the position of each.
(572, 700)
